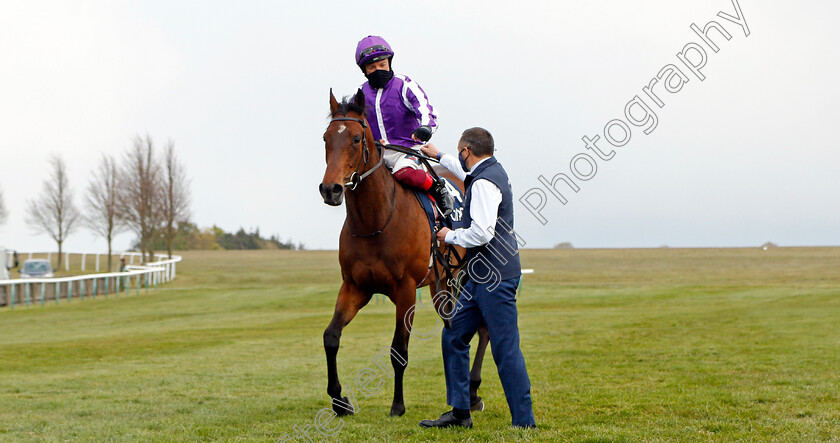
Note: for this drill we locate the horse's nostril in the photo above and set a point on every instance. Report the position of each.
(336, 188)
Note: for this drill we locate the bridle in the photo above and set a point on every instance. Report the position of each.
(355, 177)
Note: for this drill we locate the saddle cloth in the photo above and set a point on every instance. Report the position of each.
(454, 221)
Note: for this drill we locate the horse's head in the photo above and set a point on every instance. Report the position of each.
(346, 140)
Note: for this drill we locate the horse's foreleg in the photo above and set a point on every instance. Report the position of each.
(476, 404)
(399, 346)
(349, 301)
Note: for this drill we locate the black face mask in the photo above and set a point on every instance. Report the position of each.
(379, 78)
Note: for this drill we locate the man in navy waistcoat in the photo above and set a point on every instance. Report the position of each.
(489, 296)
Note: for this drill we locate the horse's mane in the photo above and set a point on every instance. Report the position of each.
(348, 104)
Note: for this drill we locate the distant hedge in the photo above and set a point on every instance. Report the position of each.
(190, 237)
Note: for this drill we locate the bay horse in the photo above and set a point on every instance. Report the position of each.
(384, 246)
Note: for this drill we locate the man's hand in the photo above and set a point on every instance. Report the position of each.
(441, 235)
(430, 150)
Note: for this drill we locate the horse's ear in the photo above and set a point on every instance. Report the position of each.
(360, 99)
(333, 103)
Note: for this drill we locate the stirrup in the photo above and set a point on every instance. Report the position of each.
(446, 202)
(445, 210)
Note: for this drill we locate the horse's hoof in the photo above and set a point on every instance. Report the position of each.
(397, 410)
(478, 406)
(342, 409)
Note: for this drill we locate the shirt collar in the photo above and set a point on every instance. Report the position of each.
(479, 162)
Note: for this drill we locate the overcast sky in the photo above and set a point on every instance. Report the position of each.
(748, 155)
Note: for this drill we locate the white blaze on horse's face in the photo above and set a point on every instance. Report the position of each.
(341, 129)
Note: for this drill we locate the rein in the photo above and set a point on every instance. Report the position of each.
(408, 151)
(423, 158)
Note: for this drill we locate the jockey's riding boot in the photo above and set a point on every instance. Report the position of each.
(445, 200)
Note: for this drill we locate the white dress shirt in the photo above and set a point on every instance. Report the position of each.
(484, 207)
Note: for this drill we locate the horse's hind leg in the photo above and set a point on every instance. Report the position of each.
(350, 300)
(476, 404)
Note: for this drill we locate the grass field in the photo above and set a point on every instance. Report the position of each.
(621, 345)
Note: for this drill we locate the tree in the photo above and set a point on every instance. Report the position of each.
(4, 214)
(103, 203)
(188, 237)
(249, 240)
(140, 193)
(176, 195)
(53, 213)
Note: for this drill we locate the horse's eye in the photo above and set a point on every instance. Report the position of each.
(357, 139)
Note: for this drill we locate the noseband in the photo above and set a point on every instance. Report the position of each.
(355, 177)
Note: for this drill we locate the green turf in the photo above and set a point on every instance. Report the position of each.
(621, 345)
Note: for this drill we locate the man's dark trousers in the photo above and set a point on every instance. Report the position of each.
(497, 307)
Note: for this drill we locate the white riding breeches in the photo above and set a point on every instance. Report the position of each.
(395, 161)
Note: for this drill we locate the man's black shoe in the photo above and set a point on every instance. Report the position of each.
(446, 420)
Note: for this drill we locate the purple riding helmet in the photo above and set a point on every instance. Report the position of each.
(372, 49)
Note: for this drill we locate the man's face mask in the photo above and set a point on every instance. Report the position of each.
(463, 161)
(379, 78)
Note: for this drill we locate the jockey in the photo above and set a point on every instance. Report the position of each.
(399, 113)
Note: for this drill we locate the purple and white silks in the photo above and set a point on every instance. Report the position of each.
(396, 110)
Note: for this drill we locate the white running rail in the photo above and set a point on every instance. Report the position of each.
(23, 291)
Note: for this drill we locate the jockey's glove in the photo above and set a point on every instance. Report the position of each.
(423, 133)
